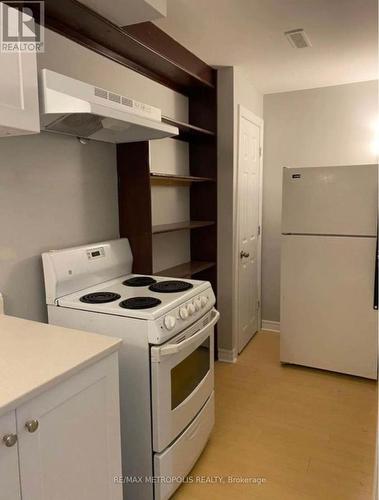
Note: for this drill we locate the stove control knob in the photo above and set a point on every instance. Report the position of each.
(191, 309)
(183, 313)
(169, 322)
(204, 301)
(197, 304)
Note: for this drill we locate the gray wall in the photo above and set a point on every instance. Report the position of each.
(225, 201)
(318, 127)
(55, 192)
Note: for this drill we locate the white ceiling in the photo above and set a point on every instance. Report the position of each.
(249, 33)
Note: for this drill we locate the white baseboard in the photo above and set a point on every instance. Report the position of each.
(271, 326)
(227, 356)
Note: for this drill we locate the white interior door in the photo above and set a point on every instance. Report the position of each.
(248, 249)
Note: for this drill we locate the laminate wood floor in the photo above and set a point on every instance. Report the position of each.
(295, 433)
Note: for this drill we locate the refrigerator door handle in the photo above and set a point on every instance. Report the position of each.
(376, 282)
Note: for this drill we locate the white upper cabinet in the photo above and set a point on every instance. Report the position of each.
(125, 12)
(19, 110)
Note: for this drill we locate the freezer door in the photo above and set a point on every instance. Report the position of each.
(330, 200)
(327, 315)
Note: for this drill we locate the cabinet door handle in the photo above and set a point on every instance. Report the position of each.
(31, 425)
(244, 254)
(10, 440)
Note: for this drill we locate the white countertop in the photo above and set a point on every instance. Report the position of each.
(35, 356)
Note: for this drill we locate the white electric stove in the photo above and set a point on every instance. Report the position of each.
(166, 362)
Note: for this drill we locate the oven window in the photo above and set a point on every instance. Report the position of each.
(187, 375)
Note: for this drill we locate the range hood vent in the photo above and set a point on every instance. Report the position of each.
(73, 107)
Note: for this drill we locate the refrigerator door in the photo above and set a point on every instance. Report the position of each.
(330, 200)
(327, 315)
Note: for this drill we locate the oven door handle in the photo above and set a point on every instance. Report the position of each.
(175, 348)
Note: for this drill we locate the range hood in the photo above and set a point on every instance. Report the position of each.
(72, 107)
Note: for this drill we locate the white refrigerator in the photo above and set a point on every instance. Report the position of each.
(329, 268)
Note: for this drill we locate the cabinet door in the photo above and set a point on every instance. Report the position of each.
(9, 472)
(19, 110)
(75, 452)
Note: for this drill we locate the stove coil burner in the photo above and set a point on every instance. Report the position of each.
(140, 303)
(139, 281)
(99, 297)
(172, 286)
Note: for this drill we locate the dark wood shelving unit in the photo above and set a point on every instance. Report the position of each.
(188, 132)
(172, 179)
(180, 226)
(135, 183)
(136, 176)
(186, 270)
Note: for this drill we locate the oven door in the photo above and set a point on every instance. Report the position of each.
(182, 379)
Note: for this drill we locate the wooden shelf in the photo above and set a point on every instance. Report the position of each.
(188, 132)
(142, 47)
(172, 59)
(186, 270)
(171, 179)
(179, 226)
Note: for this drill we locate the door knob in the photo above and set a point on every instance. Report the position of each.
(31, 425)
(10, 440)
(244, 254)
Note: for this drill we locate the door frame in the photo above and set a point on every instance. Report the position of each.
(247, 114)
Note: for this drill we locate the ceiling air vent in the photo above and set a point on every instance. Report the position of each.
(298, 39)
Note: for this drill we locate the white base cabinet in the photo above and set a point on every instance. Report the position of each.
(68, 440)
(9, 471)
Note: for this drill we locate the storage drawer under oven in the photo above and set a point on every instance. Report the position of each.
(177, 460)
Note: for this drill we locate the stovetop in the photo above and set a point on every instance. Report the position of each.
(136, 296)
